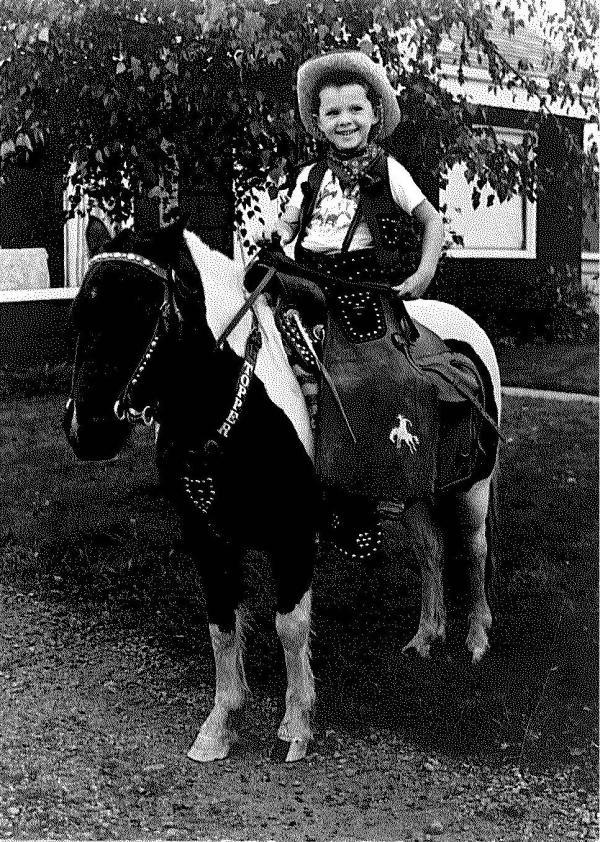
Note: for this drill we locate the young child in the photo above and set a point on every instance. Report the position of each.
(347, 213)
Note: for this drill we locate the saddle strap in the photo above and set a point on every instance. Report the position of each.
(325, 374)
(430, 368)
(248, 303)
(198, 486)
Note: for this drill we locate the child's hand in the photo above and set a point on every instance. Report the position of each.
(265, 237)
(281, 230)
(286, 231)
(414, 286)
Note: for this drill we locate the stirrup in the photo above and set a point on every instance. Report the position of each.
(294, 332)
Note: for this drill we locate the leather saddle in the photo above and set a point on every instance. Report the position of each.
(400, 415)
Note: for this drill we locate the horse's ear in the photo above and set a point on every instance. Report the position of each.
(97, 235)
(177, 226)
(170, 236)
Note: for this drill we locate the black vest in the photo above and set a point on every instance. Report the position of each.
(396, 235)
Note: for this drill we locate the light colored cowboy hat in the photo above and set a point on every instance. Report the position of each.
(312, 72)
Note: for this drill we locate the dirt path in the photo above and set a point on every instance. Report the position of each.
(96, 721)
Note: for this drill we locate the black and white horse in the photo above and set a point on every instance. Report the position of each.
(147, 316)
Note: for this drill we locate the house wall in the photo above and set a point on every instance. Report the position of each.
(35, 332)
(208, 210)
(488, 288)
(31, 202)
(34, 324)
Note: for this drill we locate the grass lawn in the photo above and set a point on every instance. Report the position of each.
(101, 534)
(556, 366)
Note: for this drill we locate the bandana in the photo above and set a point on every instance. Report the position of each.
(350, 169)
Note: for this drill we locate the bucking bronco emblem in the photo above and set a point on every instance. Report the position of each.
(402, 434)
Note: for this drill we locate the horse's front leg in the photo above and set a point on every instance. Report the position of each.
(472, 510)
(428, 546)
(215, 737)
(293, 629)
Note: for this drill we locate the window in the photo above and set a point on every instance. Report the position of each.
(504, 229)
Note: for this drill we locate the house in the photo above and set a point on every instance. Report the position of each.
(43, 259)
(515, 252)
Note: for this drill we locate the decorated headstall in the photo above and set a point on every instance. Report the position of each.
(130, 405)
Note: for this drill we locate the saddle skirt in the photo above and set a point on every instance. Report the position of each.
(409, 399)
(415, 434)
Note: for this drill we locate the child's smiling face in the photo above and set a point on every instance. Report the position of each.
(346, 116)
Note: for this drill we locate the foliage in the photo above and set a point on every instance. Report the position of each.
(146, 89)
(548, 304)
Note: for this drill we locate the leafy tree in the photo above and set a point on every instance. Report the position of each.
(158, 89)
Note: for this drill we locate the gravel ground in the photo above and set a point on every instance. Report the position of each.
(96, 721)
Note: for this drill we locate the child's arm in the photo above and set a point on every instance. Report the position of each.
(288, 223)
(433, 237)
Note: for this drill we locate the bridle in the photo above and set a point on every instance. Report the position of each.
(124, 408)
(199, 490)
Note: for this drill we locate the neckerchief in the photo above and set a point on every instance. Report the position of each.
(351, 169)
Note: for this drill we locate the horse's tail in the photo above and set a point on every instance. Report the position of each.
(493, 538)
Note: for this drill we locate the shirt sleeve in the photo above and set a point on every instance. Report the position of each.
(405, 192)
(297, 195)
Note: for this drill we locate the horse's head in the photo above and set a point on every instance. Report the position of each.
(115, 315)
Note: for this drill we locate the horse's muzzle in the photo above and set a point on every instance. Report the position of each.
(93, 438)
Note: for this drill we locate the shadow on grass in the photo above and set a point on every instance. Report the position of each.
(556, 366)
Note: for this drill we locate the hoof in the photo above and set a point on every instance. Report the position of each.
(206, 749)
(289, 752)
(478, 653)
(424, 644)
(413, 650)
(478, 645)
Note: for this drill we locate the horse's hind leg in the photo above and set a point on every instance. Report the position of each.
(293, 629)
(428, 546)
(472, 511)
(215, 737)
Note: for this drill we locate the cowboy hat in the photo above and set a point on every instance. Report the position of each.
(345, 62)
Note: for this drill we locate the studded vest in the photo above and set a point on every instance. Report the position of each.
(396, 236)
(394, 255)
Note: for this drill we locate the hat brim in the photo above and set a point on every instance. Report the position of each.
(314, 70)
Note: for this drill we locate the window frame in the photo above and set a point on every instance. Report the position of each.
(528, 216)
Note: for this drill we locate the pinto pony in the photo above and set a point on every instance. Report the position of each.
(235, 448)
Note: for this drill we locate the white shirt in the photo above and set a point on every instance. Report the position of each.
(335, 208)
